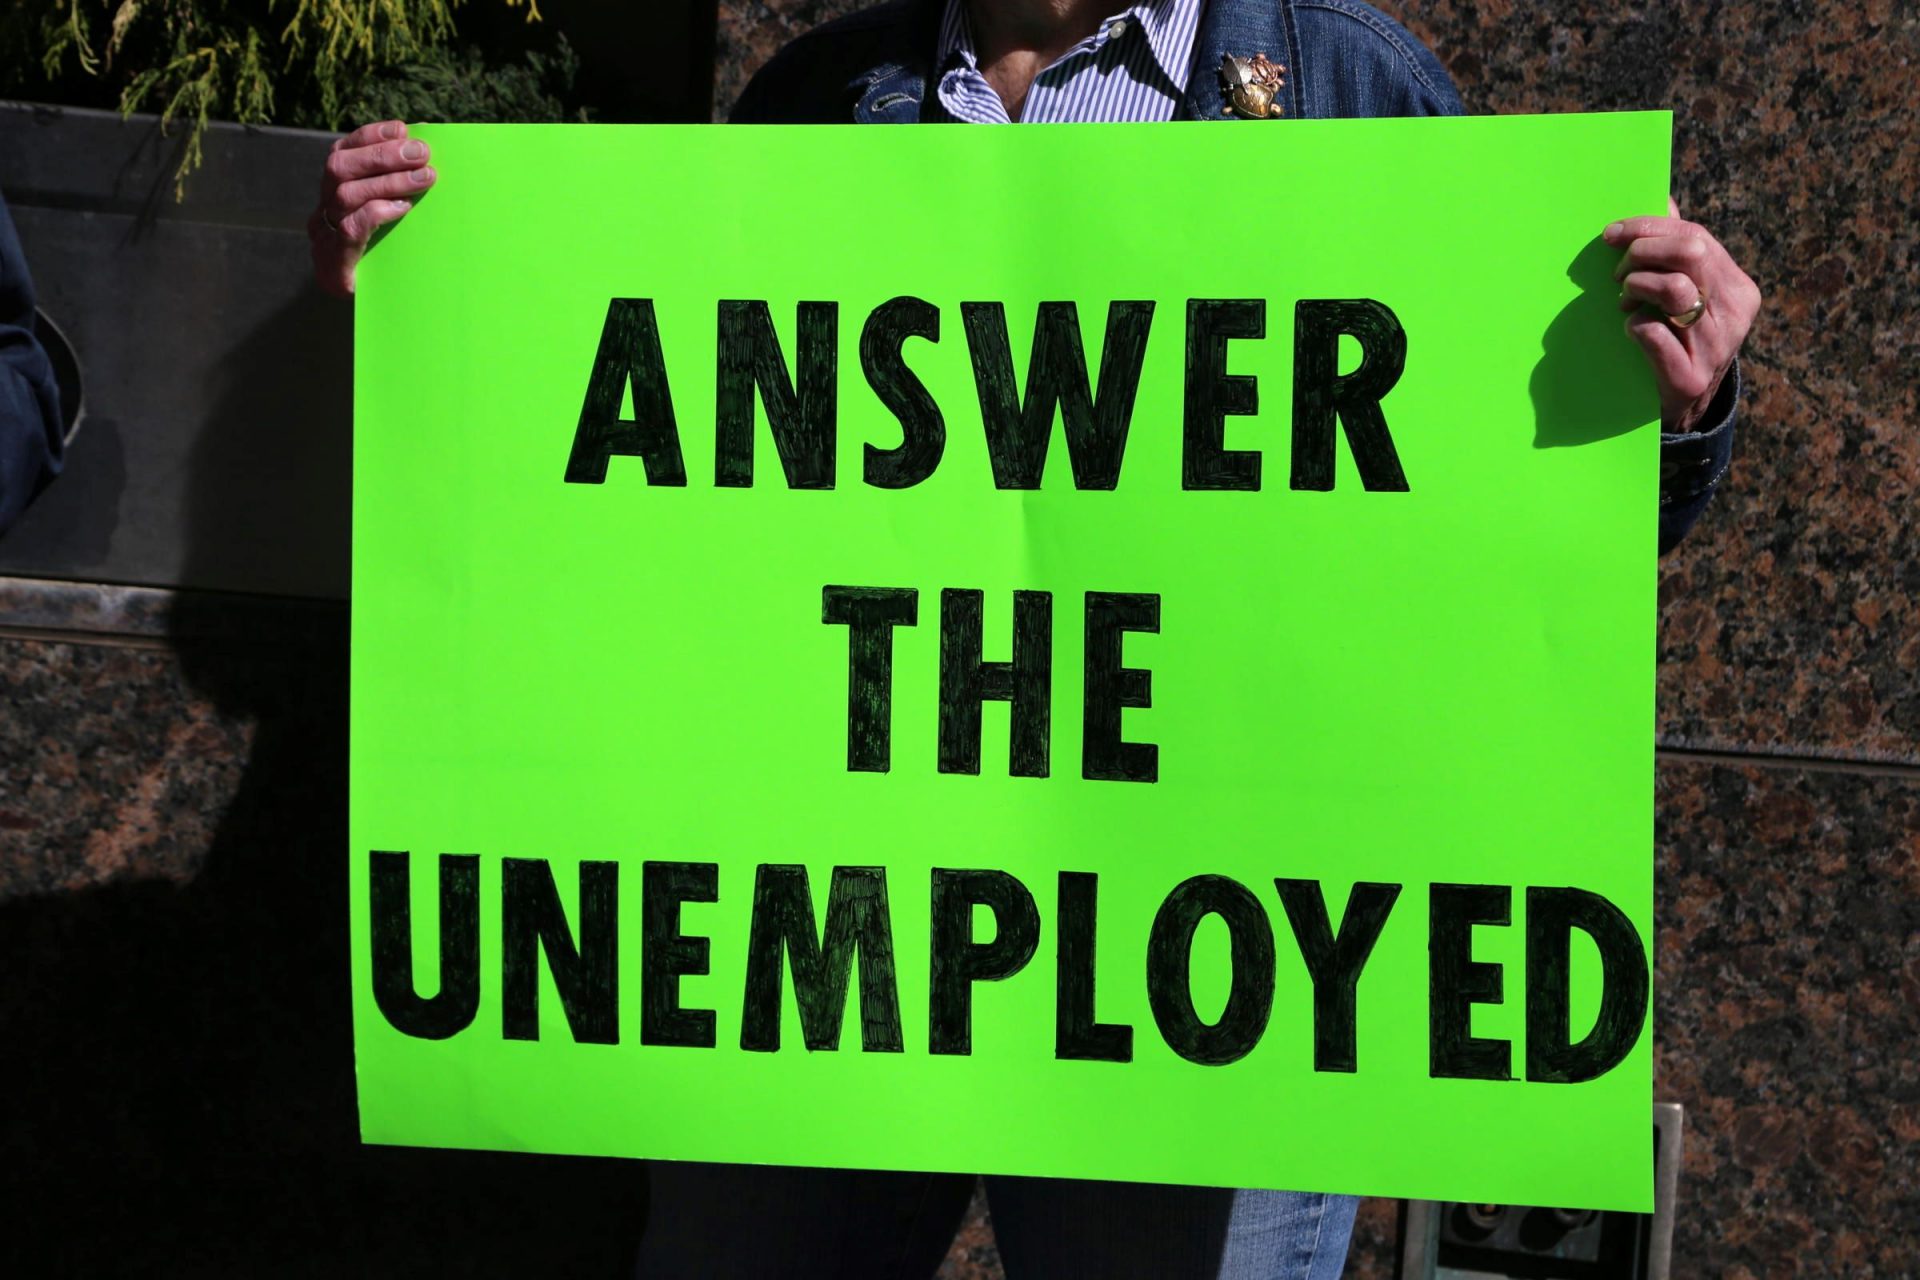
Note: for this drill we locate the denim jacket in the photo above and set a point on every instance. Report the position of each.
(1347, 60)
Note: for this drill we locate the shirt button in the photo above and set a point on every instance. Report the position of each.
(1117, 28)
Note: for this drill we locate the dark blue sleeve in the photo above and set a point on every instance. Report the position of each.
(1358, 63)
(1692, 464)
(30, 440)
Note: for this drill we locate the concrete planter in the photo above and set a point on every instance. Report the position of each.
(216, 453)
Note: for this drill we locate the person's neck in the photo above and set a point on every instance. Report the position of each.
(1035, 26)
(1015, 40)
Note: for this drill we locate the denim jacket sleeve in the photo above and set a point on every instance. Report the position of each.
(30, 440)
(1692, 464)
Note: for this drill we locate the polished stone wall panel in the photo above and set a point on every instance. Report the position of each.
(112, 769)
(1787, 1011)
(974, 1255)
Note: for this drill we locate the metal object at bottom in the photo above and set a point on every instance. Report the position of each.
(66, 374)
(1441, 1240)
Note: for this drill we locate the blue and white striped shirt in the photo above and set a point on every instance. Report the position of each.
(1133, 68)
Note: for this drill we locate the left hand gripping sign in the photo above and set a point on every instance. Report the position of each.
(1032, 679)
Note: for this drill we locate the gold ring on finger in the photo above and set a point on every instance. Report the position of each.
(1691, 316)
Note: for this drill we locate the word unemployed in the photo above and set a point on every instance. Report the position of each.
(801, 405)
(858, 927)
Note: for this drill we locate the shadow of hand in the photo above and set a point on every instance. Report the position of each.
(1583, 389)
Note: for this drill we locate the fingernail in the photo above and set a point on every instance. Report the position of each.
(401, 206)
(1620, 272)
(423, 175)
(414, 151)
(390, 131)
(1613, 230)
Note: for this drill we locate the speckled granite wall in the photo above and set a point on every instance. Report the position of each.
(174, 1076)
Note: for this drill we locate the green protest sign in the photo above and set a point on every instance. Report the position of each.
(1106, 651)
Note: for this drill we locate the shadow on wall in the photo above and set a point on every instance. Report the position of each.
(177, 1070)
(1578, 399)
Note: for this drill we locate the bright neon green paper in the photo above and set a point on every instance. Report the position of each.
(1451, 684)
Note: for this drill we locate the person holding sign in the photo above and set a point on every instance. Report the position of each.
(1690, 305)
(1036, 61)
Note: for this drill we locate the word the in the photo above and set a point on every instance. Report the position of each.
(1026, 683)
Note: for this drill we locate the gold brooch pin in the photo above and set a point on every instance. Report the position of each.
(1252, 86)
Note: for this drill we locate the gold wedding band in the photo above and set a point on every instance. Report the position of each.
(328, 223)
(1691, 316)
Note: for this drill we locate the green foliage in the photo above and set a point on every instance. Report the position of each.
(459, 84)
(312, 63)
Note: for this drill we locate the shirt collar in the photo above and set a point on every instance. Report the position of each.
(1169, 26)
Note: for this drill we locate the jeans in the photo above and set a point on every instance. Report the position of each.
(749, 1222)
